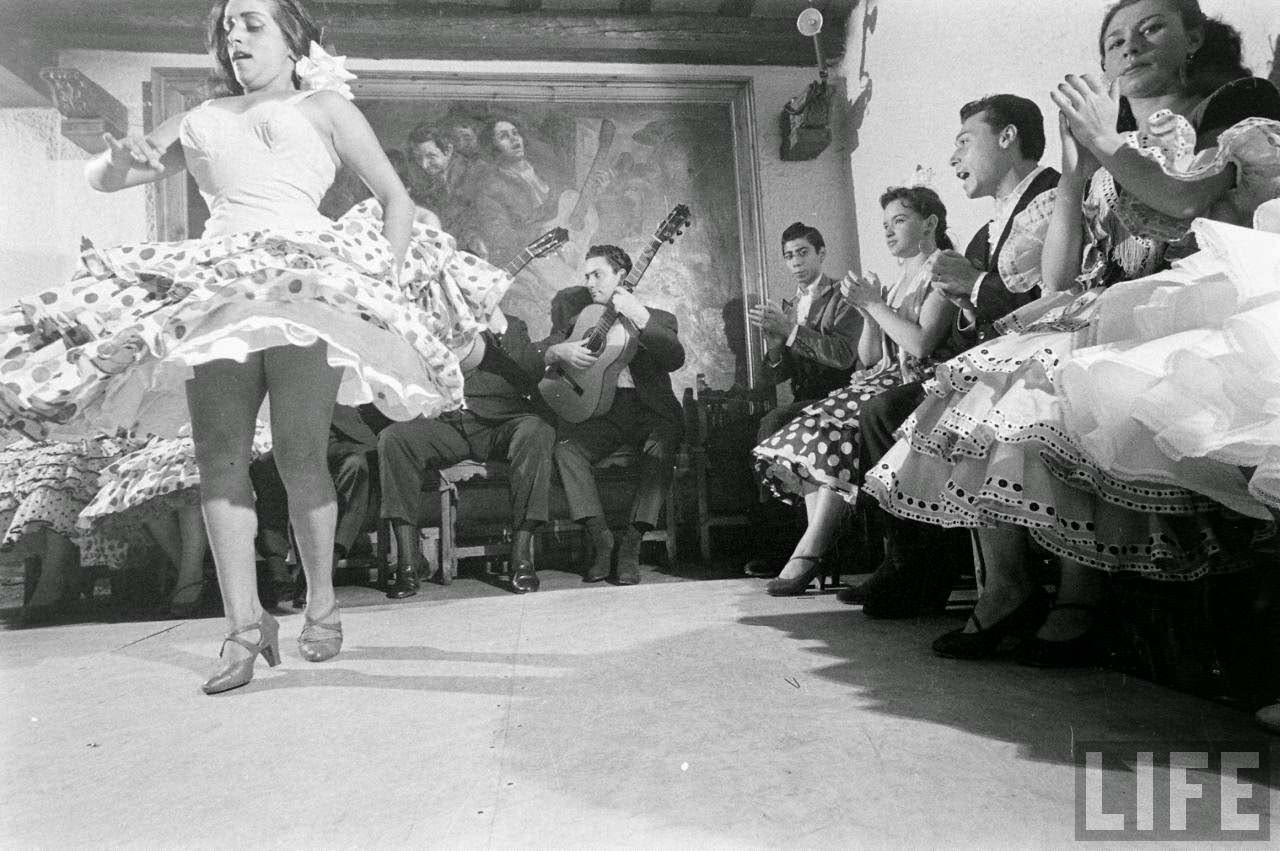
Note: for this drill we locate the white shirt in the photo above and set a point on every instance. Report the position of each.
(1003, 212)
(804, 301)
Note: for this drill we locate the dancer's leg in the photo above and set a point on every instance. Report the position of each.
(224, 397)
(1008, 581)
(1080, 586)
(57, 562)
(303, 387)
(168, 536)
(194, 542)
(825, 508)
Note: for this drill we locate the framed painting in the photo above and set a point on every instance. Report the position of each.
(499, 160)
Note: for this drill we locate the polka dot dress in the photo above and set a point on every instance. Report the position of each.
(114, 347)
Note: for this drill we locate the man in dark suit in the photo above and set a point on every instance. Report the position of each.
(812, 339)
(645, 413)
(501, 420)
(997, 155)
(353, 438)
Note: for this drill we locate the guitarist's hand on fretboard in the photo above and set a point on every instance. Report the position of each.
(629, 306)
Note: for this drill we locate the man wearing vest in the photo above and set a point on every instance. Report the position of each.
(812, 339)
(997, 155)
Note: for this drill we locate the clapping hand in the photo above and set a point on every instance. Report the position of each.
(770, 319)
(134, 151)
(953, 276)
(1077, 161)
(861, 292)
(1091, 108)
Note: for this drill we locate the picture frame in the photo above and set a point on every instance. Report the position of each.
(672, 139)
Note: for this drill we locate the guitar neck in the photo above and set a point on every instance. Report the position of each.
(517, 263)
(642, 263)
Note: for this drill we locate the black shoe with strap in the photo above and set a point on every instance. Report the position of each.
(1084, 650)
(524, 579)
(629, 556)
(984, 642)
(782, 587)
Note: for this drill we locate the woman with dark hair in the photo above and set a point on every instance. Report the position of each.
(275, 301)
(998, 447)
(815, 456)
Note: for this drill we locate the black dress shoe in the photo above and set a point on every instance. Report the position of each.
(1082, 651)
(524, 578)
(959, 644)
(406, 584)
(629, 557)
(853, 595)
(795, 587)
(602, 557)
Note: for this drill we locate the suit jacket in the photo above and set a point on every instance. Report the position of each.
(660, 352)
(360, 425)
(825, 349)
(994, 298)
(492, 397)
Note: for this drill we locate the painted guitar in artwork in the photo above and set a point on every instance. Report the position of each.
(576, 395)
(550, 241)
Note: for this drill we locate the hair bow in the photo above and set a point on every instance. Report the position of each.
(319, 70)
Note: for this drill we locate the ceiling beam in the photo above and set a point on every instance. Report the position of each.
(735, 8)
(21, 58)
(440, 32)
(525, 5)
(636, 7)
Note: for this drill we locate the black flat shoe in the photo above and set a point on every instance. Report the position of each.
(1085, 650)
(601, 558)
(959, 644)
(524, 579)
(795, 587)
(406, 584)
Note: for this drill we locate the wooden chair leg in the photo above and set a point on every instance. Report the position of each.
(673, 512)
(383, 550)
(448, 539)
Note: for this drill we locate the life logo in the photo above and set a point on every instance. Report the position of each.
(1181, 791)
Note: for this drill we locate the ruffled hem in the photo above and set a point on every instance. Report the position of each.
(115, 347)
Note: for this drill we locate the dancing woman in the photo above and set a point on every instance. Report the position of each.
(1179, 131)
(815, 456)
(274, 301)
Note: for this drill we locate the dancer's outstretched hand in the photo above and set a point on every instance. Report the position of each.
(134, 151)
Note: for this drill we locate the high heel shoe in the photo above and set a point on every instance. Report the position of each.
(240, 671)
(959, 644)
(795, 587)
(318, 640)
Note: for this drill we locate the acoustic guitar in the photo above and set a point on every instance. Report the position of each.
(576, 209)
(577, 395)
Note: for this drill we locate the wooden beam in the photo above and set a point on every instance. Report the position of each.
(736, 8)
(21, 58)
(444, 31)
(525, 5)
(636, 7)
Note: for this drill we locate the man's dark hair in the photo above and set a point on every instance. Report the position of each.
(1001, 111)
(799, 230)
(617, 259)
(424, 133)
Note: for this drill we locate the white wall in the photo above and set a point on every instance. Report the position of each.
(45, 205)
(927, 58)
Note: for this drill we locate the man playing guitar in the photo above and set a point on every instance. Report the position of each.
(645, 413)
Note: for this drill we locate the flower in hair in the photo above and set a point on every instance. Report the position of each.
(921, 178)
(319, 70)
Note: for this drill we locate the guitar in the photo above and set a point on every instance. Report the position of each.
(550, 241)
(577, 395)
(576, 209)
(507, 368)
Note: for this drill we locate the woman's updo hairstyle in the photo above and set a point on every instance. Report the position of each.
(1219, 59)
(924, 202)
(295, 24)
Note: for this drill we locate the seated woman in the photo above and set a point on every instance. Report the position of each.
(815, 456)
(1174, 136)
(43, 487)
